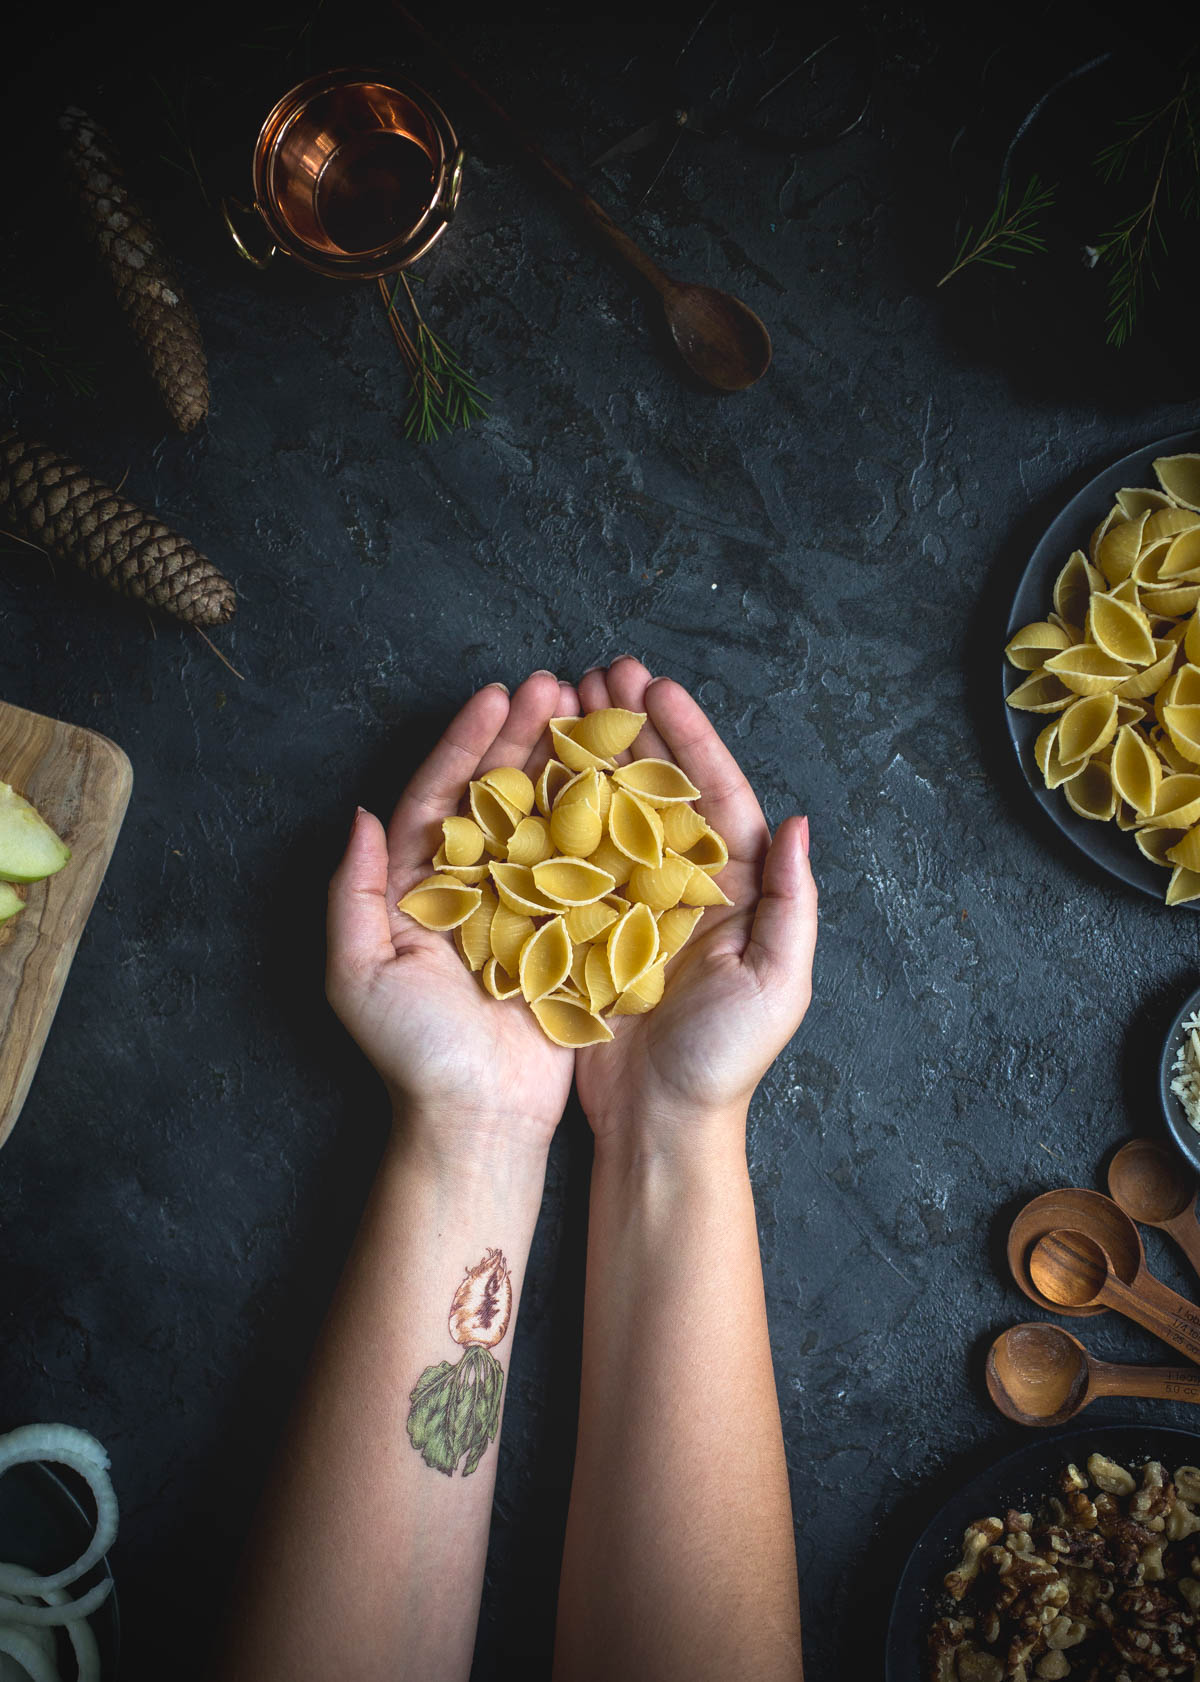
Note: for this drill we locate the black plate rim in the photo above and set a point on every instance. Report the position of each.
(1183, 1134)
(106, 1620)
(914, 1597)
(1105, 845)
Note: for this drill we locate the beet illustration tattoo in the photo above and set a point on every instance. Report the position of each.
(455, 1407)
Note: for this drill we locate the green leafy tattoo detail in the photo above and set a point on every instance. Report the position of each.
(455, 1409)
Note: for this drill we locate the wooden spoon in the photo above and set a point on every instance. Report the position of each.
(1082, 1211)
(1071, 1269)
(721, 339)
(1153, 1186)
(1038, 1374)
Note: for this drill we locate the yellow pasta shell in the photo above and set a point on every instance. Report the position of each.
(576, 828)
(440, 902)
(474, 937)
(1139, 500)
(1091, 793)
(1170, 755)
(578, 964)
(1179, 476)
(618, 864)
(1181, 563)
(570, 1024)
(682, 826)
(1117, 551)
(554, 778)
(1121, 629)
(609, 731)
(1182, 724)
(496, 816)
(1182, 690)
(656, 782)
(1049, 762)
(663, 887)
(518, 889)
(597, 979)
(571, 752)
(585, 922)
(583, 789)
(1171, 601)
(1136, 771)
(1191, 639)
(1040, 693)
(1073, 588)
(1184, 885)
(545, 960)
(644, 993)
(1126, 817)
(1114, 517)
(530, 842)
(632, 946)
(1186, 850)
(1152, 677)
(499, 983)
(462, 840)
(1178, 804)
(1033, 643)
(1155, 844)
(1087, 726)
(472, 874)
(509, 932)
(702, 889)
(709, 852)
(571, 881)
(676, 927)
(1087, 670)
(512, 785)
(635, 829)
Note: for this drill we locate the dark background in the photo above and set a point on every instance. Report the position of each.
(826, 559)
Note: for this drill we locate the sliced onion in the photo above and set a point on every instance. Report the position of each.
(65, 1445)
(44, 1637)
(87, 1654)
(28, 1655)
(17, 1612)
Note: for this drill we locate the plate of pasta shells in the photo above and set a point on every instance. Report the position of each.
(1102, 670)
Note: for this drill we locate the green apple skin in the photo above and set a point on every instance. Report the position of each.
(10, 902)
(29, 848)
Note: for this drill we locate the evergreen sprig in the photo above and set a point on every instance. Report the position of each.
(30, 344)
(1010, 231)
(444, 395)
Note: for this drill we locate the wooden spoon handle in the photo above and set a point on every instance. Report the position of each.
(1185, 1230)
(1166, 1384)
(596, 213)
(1162, 1311)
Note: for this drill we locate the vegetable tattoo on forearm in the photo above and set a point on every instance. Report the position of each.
(456, 1407)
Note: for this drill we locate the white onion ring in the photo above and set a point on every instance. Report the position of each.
(28, 1655)
(16, 1612)
(65, 1445)
(87, 1654)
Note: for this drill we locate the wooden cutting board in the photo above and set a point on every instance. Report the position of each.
(80, 784)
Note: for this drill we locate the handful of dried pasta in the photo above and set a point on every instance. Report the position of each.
(1118, 664)
(577, 906)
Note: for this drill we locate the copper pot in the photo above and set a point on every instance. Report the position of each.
(355, 175)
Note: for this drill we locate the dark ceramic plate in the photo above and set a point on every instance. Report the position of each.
(43, 1526)
(1178, 1125)
(1103, 843)
(1020, 1480)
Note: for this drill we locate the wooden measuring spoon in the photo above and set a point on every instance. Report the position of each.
(1153, 1186)
(1071, 1269)
(721, 339)
(1082, 1211)
(1039, 1374)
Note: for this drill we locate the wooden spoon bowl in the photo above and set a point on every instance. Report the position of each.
(1082, 1211)
(1150, 1183)
(1037, 1374)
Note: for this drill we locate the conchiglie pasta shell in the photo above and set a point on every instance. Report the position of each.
(644, 993)
(578, 964)
(1181, 563)
(583, 789)
(530, 842)
(632, 946)
(1087, 670)
(618, 864)
(597, 979)
(634, 828)
(1087, 726)
(1172, 601)
(1126, 817)
(1033, 643)
(1155, 844)
(1040, 693)
(662, 888)
(1191, 639)
(440, 902)
(1115, 516)
(709, 853)
(572, 881)
(1091, 793)
(609, 731)
(682, 827)
(545, 960)
(1182, 724)
(1186, 850)
(1049, 762)
(462, 841)
(1152, 677)
(1172, 759)
(1117, 551)
(509, 932)
(570, 1024)
(1136, 771)
(518, 890)
(1073, 588)
(1179, 476)
(512, 785)
(656, 782)
(585, 922)
(474, 937)
(1178, 804)
(576, 828)
(498, 982)
(1121, 629)
(571, 752)
(702, 889)
(676, 927)
(554, 778)
(1140, 500)
(1184, 885)
(472, 874)
(496, 816)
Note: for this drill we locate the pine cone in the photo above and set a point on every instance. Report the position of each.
(145, 282)
(53, 503)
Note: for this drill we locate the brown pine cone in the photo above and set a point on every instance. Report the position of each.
(141, 272)
(53, 503)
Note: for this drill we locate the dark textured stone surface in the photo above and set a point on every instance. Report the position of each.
(826, 559)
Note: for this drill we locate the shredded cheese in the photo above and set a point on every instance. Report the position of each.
(1186, 1070)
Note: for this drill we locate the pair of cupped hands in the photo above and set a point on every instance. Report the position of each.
(465, 1069)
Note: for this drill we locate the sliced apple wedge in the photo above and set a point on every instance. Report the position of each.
(10, 902)
(29, 848)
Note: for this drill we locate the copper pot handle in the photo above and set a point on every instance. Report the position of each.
(454, 187)
(243, 249)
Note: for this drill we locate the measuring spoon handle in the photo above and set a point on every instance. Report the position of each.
(1164, 1384)
(1162, 1311)
(1185, 1230)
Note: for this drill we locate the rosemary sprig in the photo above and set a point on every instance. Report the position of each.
(443, 394)
(1170, 133)
(1008, 232)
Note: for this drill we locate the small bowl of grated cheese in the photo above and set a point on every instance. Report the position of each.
(1179, 1080)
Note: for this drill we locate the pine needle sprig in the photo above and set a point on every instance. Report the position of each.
(29, 344)
(1010, 231)
(444, 395)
